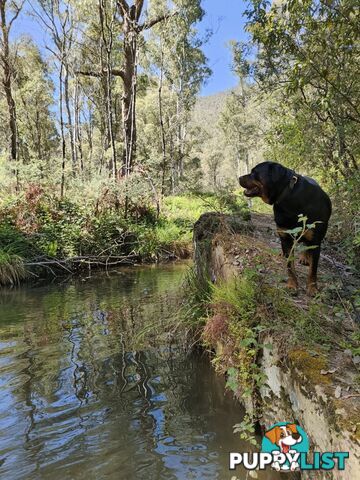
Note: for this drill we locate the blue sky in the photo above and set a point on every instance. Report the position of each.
(223, 17)
(226, 19)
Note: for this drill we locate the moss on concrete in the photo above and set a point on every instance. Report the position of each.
(310, 365)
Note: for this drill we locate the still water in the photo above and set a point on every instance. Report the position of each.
(92, 386)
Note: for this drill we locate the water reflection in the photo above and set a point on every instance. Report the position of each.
(81, 396)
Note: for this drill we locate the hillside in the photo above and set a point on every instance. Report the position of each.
(207, 110)
(217, 157)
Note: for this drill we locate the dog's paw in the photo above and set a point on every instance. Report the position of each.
(304, 261)
(292, 286)
(312, 290)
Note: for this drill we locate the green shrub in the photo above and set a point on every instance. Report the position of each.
(12, 239)
(238, 295)
(12, 269)
(36, 224)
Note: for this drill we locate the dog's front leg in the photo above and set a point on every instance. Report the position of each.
(287, 243)
(311, 285)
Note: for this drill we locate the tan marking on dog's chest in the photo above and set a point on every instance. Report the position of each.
(308, 235)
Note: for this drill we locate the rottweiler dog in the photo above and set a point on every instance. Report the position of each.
(292, 195)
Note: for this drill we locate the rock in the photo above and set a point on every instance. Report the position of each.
(340, 411)
(314, 354)
(338, 391)
(356, 360)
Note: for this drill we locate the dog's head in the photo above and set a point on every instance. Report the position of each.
(267, 181)
(284, 436)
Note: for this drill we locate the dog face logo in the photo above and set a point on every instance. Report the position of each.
(285, 441)
(284, 436)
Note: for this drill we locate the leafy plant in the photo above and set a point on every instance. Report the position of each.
(246, 429)
(298, 233)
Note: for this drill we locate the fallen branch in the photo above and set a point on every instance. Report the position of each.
(84, 260)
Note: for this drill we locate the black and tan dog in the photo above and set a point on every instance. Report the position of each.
(292, 195)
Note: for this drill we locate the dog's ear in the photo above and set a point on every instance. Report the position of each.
(292, 427)
(277, 172)
(273, 435)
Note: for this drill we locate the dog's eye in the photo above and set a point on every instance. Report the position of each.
(282, 434)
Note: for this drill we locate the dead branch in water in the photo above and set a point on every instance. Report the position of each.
(68, 264)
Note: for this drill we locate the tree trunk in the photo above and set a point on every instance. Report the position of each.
(69, 117)
(107, 44)
(77, 131)
(62, 131)
(7, 83)
(131, 29)
(89, 128)
(162, 127)
(110, 118)
(129, 95)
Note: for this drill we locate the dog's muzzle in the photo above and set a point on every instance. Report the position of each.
(251, 188)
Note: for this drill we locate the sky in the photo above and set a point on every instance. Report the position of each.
(223, 17)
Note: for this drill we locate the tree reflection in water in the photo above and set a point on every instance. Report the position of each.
(91, 388)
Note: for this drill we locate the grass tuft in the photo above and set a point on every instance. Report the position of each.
(12, 268)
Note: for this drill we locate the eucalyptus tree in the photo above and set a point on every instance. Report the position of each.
(100, 47)
(235, 125)
(132, 25)
(244, 116)
(309, 51)
(57, 18)
(9, 12)
(180, 66)
(34, 90)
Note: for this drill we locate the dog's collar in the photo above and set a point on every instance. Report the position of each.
(287, 189)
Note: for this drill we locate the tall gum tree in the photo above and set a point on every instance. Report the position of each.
(132, 27)
(181, 67)
(9, 12)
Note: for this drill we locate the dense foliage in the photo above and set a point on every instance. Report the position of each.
(300, 71)
(59, 236)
